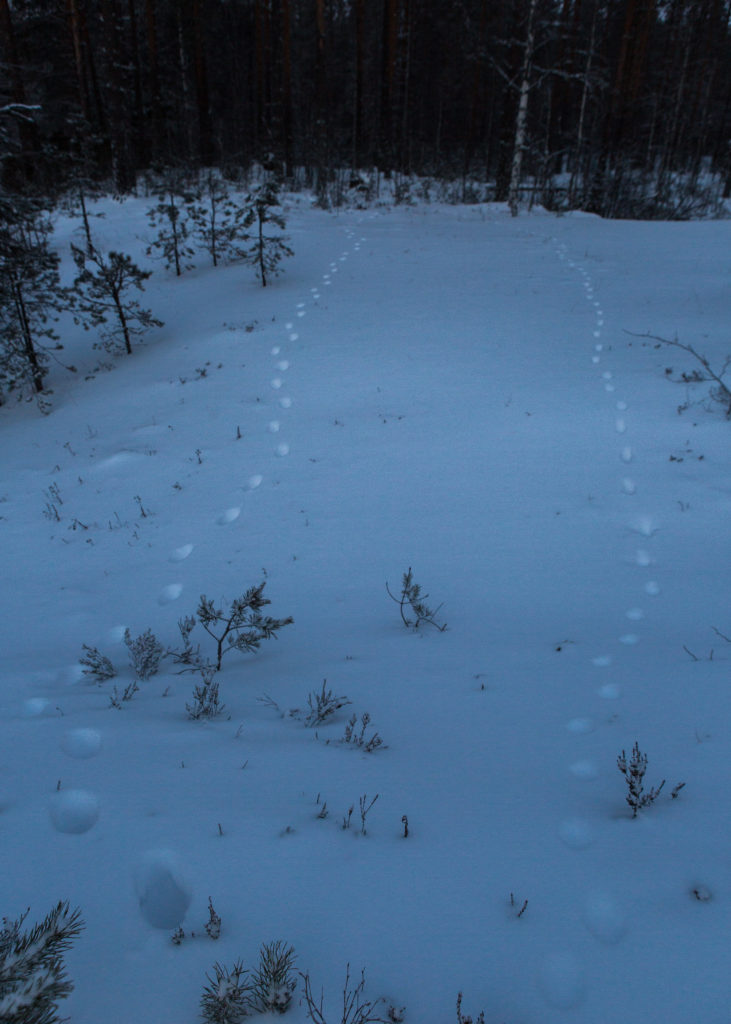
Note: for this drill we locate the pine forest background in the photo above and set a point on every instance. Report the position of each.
(619, 107)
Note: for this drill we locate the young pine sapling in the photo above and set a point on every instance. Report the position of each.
(102, 288)
(219, 222)
(32, 972)
(411, 598)
(169, 219)
(145, 653)
(96, 664)
(241, 626)
(267, 250)
(634, 770)
(226, 996)
(273, 982)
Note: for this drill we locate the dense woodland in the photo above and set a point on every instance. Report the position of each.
(618, 107)
(614, 106)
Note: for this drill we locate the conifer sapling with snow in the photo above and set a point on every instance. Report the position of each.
(267, 250)
(32, 972)
(102, 288)
(31, 296)
(218, 221)
(169, 219)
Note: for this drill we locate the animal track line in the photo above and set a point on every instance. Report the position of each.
(601, 912)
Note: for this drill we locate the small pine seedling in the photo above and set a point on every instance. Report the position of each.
(461, 1019)
(272, 983)
(96, 665)
(116, 699)
(145, 652)
(412, 598)
(322, 705)
(241, 626)
(213, 925)
(226, 996)
(32, 972)
(634, 773)
(358, 739)
(206, 701)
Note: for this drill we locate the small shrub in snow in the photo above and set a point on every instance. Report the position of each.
(634, 773)
(213, 925)
(145, 652)
(53, 500)
(720, 391)
(461, 1019)
(240, 627)
(187, 656)
(364, 809)
(356, 1009)
(226, 996)
(116, 698)
(96, 664)
(273, 983)
(357, 737)
(206, 700)
(322, 705)
(32, 973)
(411, 599)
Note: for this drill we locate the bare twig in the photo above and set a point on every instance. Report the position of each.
(721, 393)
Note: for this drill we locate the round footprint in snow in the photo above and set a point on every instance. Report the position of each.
(163, 891)
(180, 554)
(629, 639)
(255, 480)
(170, 593)
(576, 833)
(602, 660)
(635, 614)
(282, 449)
(35, 706)
(116, 634)
(603, 918)
(610, 692)
(74, 811)
(81, 743)
(560, 981)
(229, 516)
(580, 725)
(584, 770)
(652, 588)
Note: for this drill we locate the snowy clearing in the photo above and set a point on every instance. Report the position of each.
(441, 388)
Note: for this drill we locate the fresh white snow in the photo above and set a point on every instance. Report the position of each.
(445, 388)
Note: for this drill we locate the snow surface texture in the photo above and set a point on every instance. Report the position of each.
(442, 388)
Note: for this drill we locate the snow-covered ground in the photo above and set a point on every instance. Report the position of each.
(440, 388)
